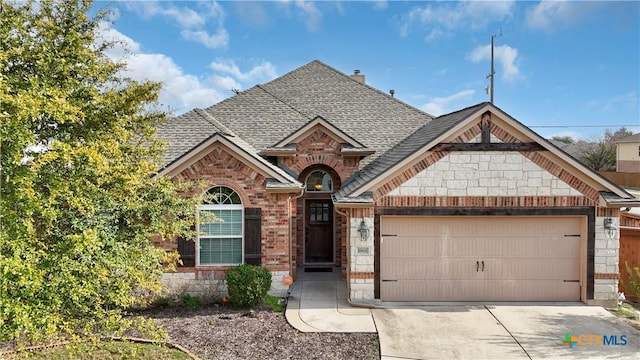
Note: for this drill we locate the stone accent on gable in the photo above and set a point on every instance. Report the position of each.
(487, 174)
(320, 148)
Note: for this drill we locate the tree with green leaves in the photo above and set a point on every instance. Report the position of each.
(78, 204)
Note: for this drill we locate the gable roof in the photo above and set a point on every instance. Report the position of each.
(406, 147)
(357, 190)
(265, 115)
(630, 139)
(192, 127)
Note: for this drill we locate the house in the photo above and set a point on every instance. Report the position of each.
(317, 169)
(628, 154)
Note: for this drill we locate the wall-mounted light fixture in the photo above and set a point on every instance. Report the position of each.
(363, 230)
(610, 228)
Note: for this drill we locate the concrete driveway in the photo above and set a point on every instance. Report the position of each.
(522, 331)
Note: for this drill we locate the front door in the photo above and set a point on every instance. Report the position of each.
(319, 231)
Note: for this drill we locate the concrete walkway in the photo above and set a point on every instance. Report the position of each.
(318, 303)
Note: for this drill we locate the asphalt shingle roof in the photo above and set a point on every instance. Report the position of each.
(182, 133)
(405, 148)
(265, 114)
(632, 138)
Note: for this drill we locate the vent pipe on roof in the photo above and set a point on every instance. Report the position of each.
(358, 77)
(392, 92)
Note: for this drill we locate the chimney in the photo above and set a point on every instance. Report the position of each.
(357, 76)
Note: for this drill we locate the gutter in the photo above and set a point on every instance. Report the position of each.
(346, 214)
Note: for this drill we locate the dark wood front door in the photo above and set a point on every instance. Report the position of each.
(319, 231)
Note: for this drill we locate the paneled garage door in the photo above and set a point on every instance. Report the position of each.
(476, 258)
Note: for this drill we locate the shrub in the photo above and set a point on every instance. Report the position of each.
(191, 301)
(632, 285)
(248, 284)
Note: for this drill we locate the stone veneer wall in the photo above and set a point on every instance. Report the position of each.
(211, 284)
(606, 260)
(484, 174)
(495, 179)
(361, 271)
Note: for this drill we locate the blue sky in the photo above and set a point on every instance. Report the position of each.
(562, 67)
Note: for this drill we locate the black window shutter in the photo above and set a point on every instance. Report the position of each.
(187, 251)
(252, 236)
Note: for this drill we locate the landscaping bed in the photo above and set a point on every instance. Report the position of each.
(222, 332)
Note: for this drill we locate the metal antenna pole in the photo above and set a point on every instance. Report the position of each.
(493, 72)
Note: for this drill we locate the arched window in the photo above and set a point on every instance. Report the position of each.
(220, 228)
(319, 181)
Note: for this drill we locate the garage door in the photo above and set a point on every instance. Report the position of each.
(486, 258)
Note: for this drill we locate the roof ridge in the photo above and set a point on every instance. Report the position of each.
(480, 104)
(283, 102)
(213, 121)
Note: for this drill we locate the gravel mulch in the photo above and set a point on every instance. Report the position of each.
(217, 332)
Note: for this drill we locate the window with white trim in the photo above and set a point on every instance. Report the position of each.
(220, 236)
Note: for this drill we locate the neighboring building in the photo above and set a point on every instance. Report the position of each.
(628, 154)
(318, 169)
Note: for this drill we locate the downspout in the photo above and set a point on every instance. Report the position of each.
(290, 198)
(348, 246)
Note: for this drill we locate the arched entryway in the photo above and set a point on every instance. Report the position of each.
(318, 245)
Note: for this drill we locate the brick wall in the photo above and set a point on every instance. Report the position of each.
(320, 148)
(320, 151)
(220, 167)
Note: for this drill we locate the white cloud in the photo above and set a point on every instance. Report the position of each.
(184, 16)
(263, 71)
(474, 15)
(180, 91)
(225, 82)
(442, 105)
(192, 22)
(505, 55)
(122, 44)
(217, 40)
(548, 15)
(380, 4)
(311, 14)
(628, 100)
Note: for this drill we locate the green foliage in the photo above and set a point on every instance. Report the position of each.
(248, 284)
(632, 285)
(78, 207)
(564, 139)
(274, 303)
(192, 302)
(103, 350)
